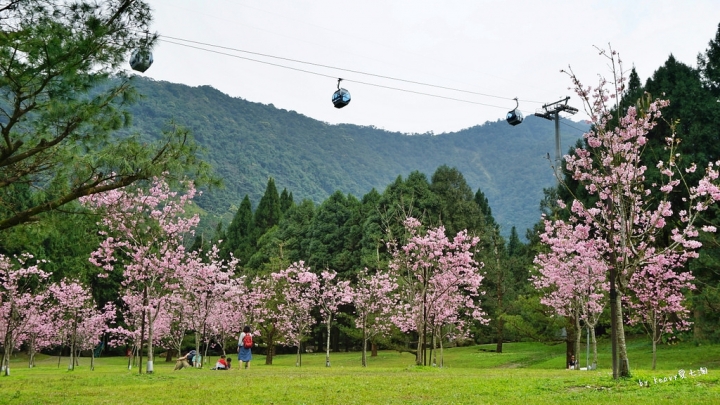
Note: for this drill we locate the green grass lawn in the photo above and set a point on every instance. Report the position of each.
(526, 373)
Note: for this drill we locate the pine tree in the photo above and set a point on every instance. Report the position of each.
(238, 238)
(268, 211)
(458, 211)
(286, 201)
(709, 64)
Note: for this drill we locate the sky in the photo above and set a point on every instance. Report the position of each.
(493, 51)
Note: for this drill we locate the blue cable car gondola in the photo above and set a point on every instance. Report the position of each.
(141, 59)
(515, 117)
(341, 97)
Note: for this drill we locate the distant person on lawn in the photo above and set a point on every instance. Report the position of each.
(221, 364)
(572, 364)
(245, 344)
(182, 362)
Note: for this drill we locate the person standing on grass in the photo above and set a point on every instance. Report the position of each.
(245, 344)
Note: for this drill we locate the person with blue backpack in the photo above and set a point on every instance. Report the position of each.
(245, 344)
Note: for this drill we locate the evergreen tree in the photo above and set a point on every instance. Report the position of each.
(295, 230)
(268, 211)
(458, 211)
(328, 235)
(709, 64)
(373, 238)
(286, 200)
(239, 234)
(484, 205)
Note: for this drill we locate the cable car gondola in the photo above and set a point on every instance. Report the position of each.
(515, 117)
(341, 97)
(141, 59)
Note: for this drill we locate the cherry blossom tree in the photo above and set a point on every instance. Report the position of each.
(232, 312)
(145, 231)
(132, 311)
(301, 289)
(657, 302)
(431, 269)
(630, 215)
(267, 293)
(373, 300)
(21, 296)
(332, 293)
(573, 275)
(173, 321)
(40, 331)
(77, 320)
(202, 287)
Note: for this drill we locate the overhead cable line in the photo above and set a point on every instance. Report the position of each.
(343, 69)
(329, 76)
(573, 127)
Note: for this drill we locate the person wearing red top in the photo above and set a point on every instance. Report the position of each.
(221, 363)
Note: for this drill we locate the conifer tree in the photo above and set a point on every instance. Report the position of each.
(286, 200)
(238, 238)
(457, 210)
(709, 64)
(268, 211)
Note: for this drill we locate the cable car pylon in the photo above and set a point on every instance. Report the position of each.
(551, 111)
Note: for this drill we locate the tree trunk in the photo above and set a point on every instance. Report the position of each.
(654, 341)
(298, 358)
(142, 329)
(270, 345)
(92, 360)
(71, 366)
(364, 345)
(150, 354)
(578, 338)
(442, 354)
(8, 344)
(594, 347)
(623, 362)
(197, 350)
(500, 335)
(500, 281)
(327, 344)
(204, 359)
(31, 352)
(373, 349)
(698, 334)
(569, 339)
(433, 352)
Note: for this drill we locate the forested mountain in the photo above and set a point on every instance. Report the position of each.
(249, 142)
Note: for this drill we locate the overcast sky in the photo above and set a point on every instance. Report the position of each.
(503, 49)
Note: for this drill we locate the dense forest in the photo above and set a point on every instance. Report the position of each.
(248, 142)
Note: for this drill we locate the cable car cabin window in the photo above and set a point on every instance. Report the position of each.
(341, 98)
(514, 117)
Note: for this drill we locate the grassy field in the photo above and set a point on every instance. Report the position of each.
(526, 373)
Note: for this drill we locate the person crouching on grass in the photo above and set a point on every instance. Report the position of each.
(221, 364)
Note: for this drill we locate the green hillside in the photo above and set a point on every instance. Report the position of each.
(248, 142)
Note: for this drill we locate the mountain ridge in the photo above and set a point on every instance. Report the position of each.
(248, 142)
